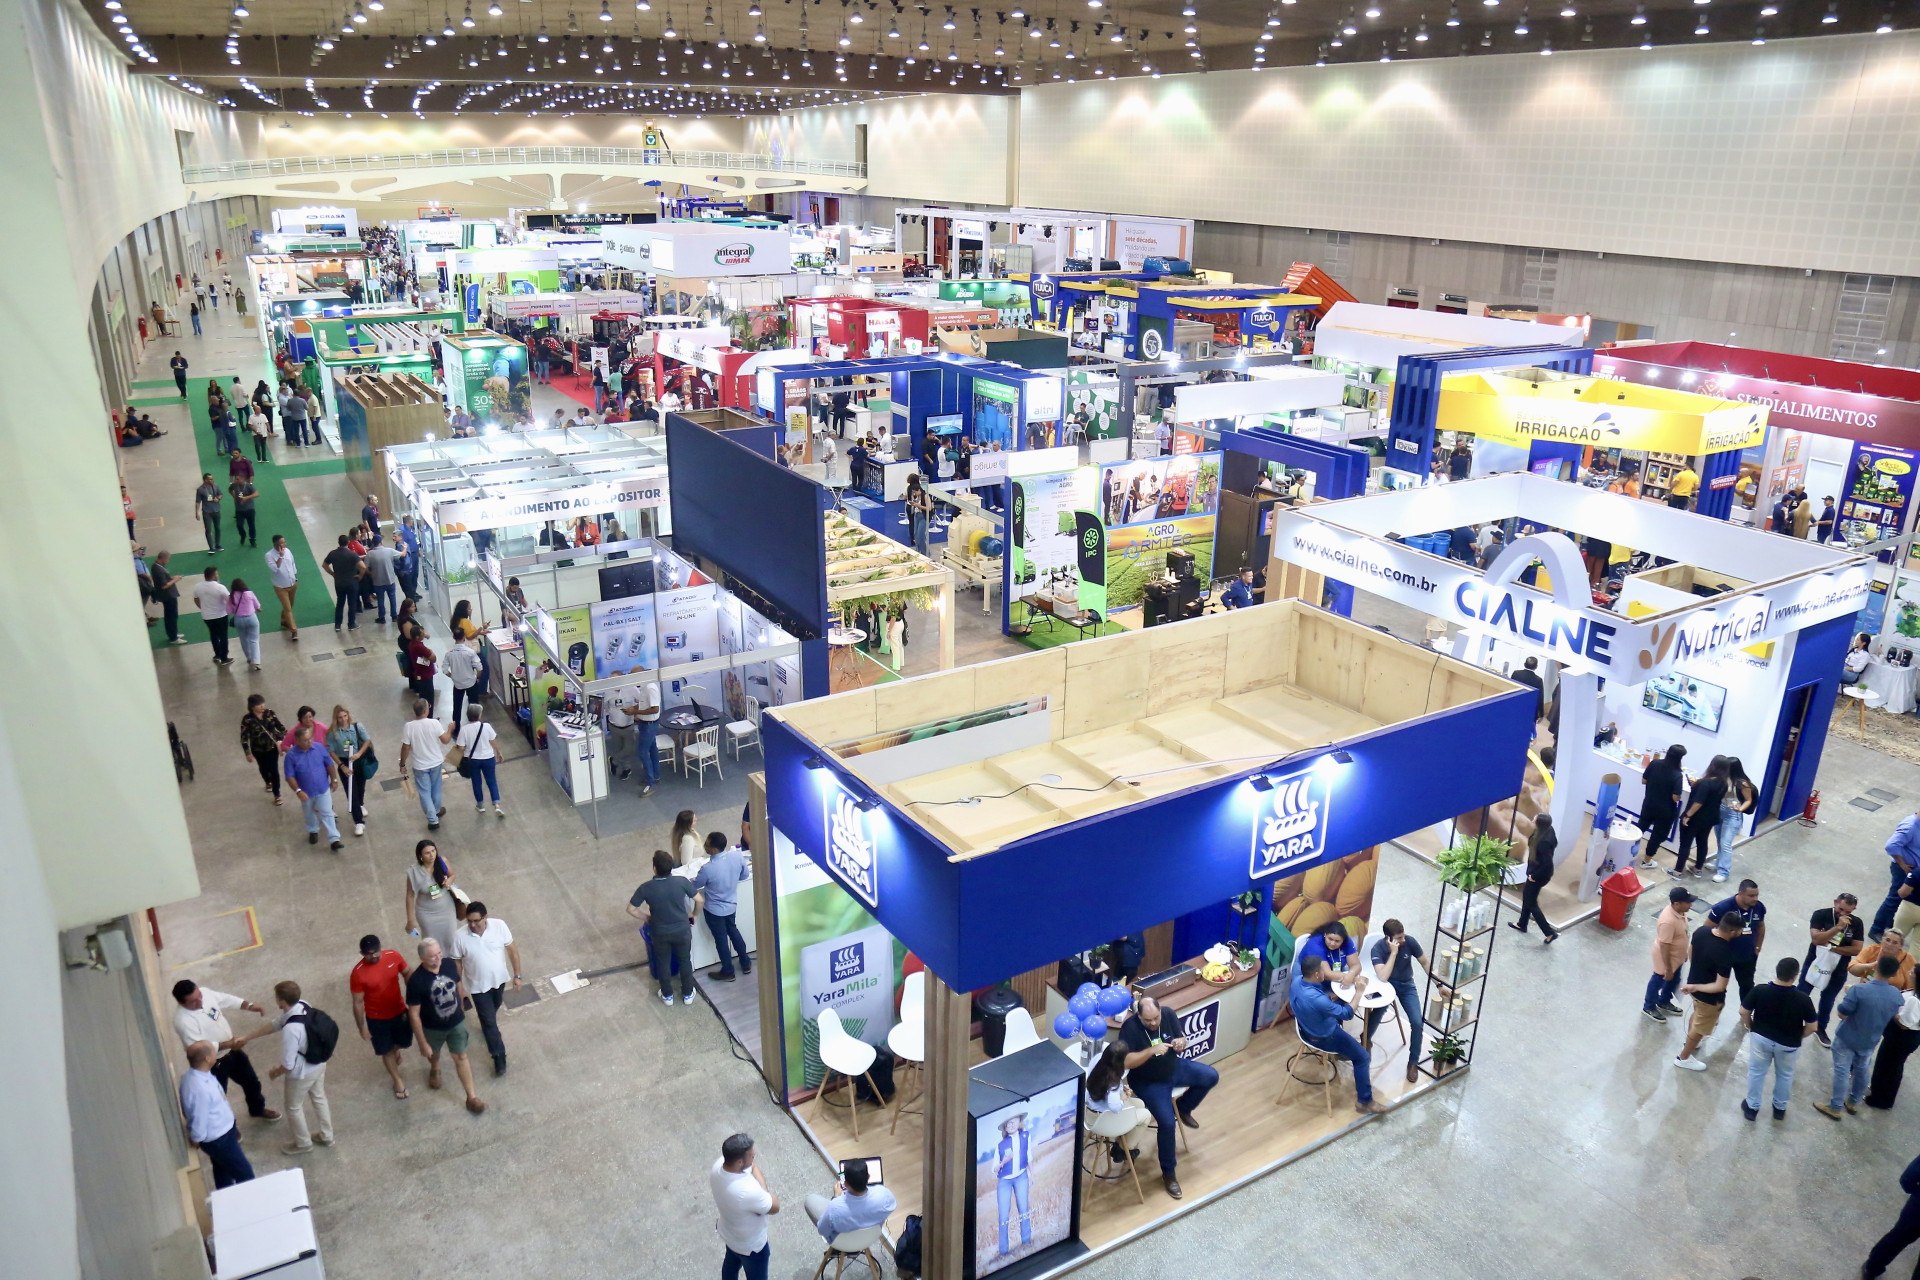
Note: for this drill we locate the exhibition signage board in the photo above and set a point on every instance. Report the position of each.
(1825, 410)
(1598, 412)
(976, 920)
(637, 491)
(1587, 639)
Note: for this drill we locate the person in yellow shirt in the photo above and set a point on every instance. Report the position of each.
(1684, 484)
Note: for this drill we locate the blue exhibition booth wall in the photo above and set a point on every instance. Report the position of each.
(991, 916)
(763, 525)
(1337, 471)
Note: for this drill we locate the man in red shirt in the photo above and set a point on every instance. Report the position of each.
(378, 983)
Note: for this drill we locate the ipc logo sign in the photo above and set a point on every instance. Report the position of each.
(850, 854)
(1290, 826)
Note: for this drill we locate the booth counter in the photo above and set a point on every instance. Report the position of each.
(990, 820)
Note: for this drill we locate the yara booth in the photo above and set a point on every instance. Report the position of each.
(1211, 787)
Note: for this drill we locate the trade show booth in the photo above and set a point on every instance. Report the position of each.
(375, 412)
(1723, 640)
(475, 276)
(486, 375)
(1220, 787)
(329, 221)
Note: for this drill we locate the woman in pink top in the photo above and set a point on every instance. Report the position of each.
(244, 608)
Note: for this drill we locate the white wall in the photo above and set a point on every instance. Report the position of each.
(949, 147)
(115, 137)
(1802, 153)
(365, 132)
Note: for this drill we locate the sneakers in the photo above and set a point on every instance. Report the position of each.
(1671, 1009)
(1853, 1108)
(180, 640)
(498, 812)
(293, 1149)
(1690, 1064)
(685, 999)
(434, 825)
(1653, 1015)
(359, 828)
(499, 1067)
(1719, 877)
(724, 977)
(1779, 1113)
(1826, 1041)
(667, 1001)
(1831, 1113)
(313, 837)
(336, 846)
(646, 791)
(479, 808)
(1374, 1108)
(1748, 1111)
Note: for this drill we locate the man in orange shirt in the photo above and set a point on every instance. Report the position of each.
(1670, 950)
(380, 1005)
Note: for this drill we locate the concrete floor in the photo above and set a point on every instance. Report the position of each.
(1572, 1148)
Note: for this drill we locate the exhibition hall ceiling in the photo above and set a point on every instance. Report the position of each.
(479, 54)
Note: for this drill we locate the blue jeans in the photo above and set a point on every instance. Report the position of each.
(746, 1266)
(229, 1162)
(1198, 1078)
(248, 629)
(1660, 989)
(427, 782)
(649, 730)
(1410, 1005)
(1884, 916)
(195, 317)
(1762, 1052)
(727, 941)
(486, 771)
(918, 520)
(317, 809)
(385, 598)
(1342, 1044)
(1850, 1066)
(1723, 838)
(1008, 1192)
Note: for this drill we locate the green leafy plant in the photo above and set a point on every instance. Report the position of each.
(1448, 1050)
(1475, 863)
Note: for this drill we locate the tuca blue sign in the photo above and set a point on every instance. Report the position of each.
(850, 848)
(1043, 288)
(1263, 317)
(1290, 825)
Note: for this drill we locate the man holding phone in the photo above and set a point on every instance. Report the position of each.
(1155, 1069)
(856, 1205)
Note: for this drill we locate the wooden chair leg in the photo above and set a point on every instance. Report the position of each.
(873, 1267)
(900, 1096)
(819, 1099)
(822, 1268)
(853, 1099)
(1138, 1193)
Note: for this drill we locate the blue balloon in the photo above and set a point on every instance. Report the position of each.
(1066, 1026)
(1113, 1001)
(1087, 989)
(1081, 1005)
(1093, 1027)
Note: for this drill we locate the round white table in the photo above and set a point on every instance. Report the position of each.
(1895, 684)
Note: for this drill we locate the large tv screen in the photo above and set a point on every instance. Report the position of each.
(1687, 698)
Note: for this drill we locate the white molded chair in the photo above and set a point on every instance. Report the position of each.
(851, 1244)
(908, 1039)
(744, 732)
(1376, 982)
(703, 753)
(1113, 1127)
(846, 1057)
(1020, 1032)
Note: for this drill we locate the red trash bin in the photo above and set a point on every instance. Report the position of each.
(1618, 893)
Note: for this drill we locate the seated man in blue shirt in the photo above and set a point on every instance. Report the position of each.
(1239, 592)
(1318, 1016)
(856, 1208)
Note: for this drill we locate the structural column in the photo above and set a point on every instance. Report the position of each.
(943, 1225)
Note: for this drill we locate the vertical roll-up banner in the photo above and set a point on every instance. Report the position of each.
(1090, 550)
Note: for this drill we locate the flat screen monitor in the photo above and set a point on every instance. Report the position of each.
(1687, 698)
(946, 424)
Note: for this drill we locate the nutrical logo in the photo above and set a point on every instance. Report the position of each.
(733, 255)
(1290, 825)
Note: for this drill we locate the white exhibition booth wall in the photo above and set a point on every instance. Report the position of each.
(1268, 389)
(1368, 334)
(1729, 664)
(698, 250)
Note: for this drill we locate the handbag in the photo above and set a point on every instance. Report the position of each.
(368, 764)
(462, 765)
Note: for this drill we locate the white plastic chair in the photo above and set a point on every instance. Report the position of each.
(1020, 1032)
(1112, 1127)
(851, 1244)
(846, 1057)
(908, 1039)
(703, 753)
(744, 732)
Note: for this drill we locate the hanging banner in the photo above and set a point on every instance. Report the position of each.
(1879, 493)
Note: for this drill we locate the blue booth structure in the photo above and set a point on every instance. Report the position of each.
(992, 820)
(1416, 393)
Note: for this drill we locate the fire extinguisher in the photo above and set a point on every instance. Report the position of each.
(1807, 819)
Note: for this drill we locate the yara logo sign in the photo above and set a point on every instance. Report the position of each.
(1290, 827)
(850, 850)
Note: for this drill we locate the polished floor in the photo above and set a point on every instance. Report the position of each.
(1572, 1148)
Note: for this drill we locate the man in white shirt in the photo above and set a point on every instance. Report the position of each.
(488, 962)
(423, 748)
(745, 1202)
(285, 572)
(646, 718)
(306, 1081)
(211, 596)
(202, 1015)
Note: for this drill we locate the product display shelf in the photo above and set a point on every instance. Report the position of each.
(1455, 974)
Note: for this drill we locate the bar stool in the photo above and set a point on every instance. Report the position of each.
(908, 1040)
(1306, 1051)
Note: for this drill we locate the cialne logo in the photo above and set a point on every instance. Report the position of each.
(850, 850)
(1290, 826)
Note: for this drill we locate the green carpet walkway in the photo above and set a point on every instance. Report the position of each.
(273, 511)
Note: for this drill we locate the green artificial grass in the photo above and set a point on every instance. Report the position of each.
(153, 382)
(273, 512)
(1048, 635)
(154, 402)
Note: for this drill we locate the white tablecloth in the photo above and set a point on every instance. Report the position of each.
(1895, 684)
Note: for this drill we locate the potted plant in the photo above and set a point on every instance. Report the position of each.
(1475, 863)
(1447, 1051)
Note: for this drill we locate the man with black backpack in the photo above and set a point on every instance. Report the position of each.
(307, 1039)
